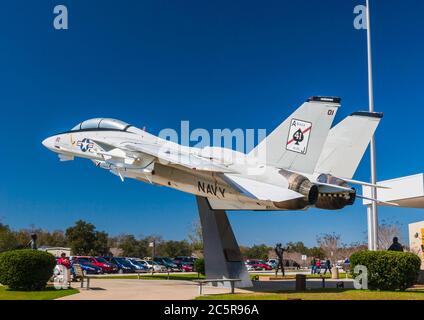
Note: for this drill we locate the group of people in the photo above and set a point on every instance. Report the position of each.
(316, 266)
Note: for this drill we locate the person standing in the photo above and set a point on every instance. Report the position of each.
(318, 266)
(313, 266)
(396, 246)
(327, 266)
(64, 261)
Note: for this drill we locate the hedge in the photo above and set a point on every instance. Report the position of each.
(388, 270)
(26, 269)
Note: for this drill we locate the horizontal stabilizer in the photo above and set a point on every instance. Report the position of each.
(346, 144)
(260, 190)
(378, 201)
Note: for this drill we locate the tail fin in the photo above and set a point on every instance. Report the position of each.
(346, 144)
(296, 144)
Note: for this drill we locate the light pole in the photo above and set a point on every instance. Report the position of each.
(372, 214)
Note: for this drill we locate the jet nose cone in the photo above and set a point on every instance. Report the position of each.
(45, 141)
(48, 142)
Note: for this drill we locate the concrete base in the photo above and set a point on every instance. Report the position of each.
(222, 254)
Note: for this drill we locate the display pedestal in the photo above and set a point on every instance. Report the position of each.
(223, 259)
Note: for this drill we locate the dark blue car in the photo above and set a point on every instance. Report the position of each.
(123, 265)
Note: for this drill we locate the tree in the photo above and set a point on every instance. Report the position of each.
(133, 247)
(174, 248)
(330, 243)
(316, 252)
(298, 247)
(44, 238)
(257, 252)
(101, 244)
(85, 240)
(195, 236)
(8, 240)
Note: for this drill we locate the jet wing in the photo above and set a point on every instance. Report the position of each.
(260, 190)
(176, 156)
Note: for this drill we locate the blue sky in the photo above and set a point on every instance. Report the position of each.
(218, 64)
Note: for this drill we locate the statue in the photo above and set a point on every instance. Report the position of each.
(279, 251)
(33, 243)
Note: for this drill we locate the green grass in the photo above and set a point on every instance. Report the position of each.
(162, 276)
(49, 293)
(323, 294)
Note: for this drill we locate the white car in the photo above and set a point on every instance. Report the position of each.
(156, 267)
(249, 267)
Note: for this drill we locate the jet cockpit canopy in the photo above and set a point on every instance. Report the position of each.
(102, 123)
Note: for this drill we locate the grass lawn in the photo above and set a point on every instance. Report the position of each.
(323, 294)
(49, 293)
(159, 276)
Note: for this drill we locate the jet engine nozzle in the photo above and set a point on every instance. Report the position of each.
(302, 185)
(336, 200)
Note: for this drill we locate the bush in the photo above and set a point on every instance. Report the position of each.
(26, 269)
(199, 266)
(388, 270)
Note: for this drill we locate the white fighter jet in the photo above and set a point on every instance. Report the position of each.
(301, 164)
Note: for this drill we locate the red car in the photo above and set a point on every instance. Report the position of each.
(185, 267)
(258, 264)
(100, 262)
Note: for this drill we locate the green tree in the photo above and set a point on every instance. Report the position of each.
(8, 240)
(101, 244)
(85, 240)
(257, 252)
(298, 247)
(174, 248)
(316, 252)
(133, 247)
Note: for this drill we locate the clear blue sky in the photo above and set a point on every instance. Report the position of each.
(218, 64)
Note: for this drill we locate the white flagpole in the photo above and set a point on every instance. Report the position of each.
(372, 208)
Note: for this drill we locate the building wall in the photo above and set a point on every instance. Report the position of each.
(416, 239)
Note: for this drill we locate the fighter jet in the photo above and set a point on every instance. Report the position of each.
(302, 164)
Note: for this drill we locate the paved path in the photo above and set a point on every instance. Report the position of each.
(134, 289)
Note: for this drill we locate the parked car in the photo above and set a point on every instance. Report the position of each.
(86, 266)
(184, 260)
(151, 264)
(100, 262)
(123, 265)
(167, 263)
(138, 266)
(186, 267)
(249, 267)
(258, 264)
(273, 263)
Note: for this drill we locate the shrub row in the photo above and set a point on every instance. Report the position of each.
(26, 269)
(388, 270)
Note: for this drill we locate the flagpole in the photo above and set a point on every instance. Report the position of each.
(372, 211)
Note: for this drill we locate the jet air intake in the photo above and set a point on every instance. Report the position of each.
(302, 185)
(335, 200)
